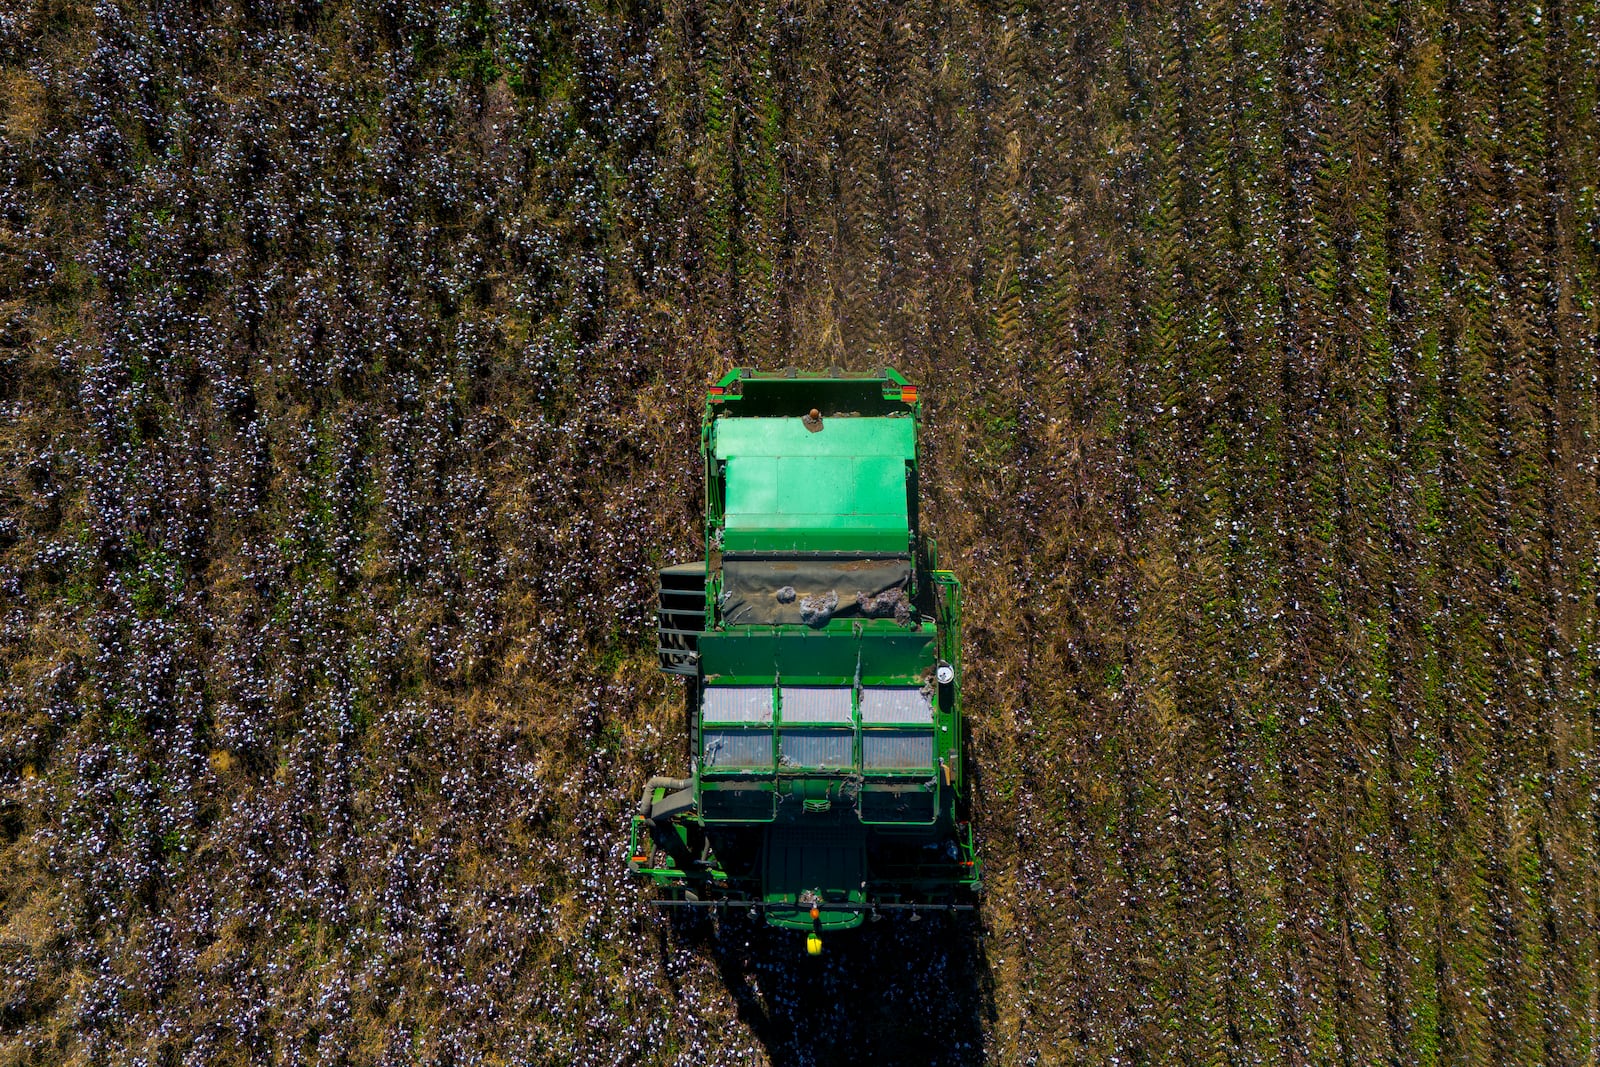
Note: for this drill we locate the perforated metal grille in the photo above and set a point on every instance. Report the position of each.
(737, 749)
(815, 748)
(896, 750)
(737, 703)
(882, 704)
(815, 704)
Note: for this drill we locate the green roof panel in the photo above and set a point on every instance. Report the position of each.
(840, 488)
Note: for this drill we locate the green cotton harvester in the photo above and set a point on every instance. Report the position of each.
(820, 645)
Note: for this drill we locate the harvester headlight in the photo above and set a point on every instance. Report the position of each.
(945, 673)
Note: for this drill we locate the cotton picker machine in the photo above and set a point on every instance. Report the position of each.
(821, 647)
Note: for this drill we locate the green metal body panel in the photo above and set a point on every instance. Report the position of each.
(825, 712)
(837, 487)
(754, 655)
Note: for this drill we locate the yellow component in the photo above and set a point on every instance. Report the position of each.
(813, 945)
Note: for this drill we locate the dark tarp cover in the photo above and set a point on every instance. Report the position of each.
(766, 592)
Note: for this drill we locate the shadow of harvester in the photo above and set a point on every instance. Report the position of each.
(891, 992)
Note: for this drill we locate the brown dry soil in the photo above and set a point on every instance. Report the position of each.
(351, 356)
